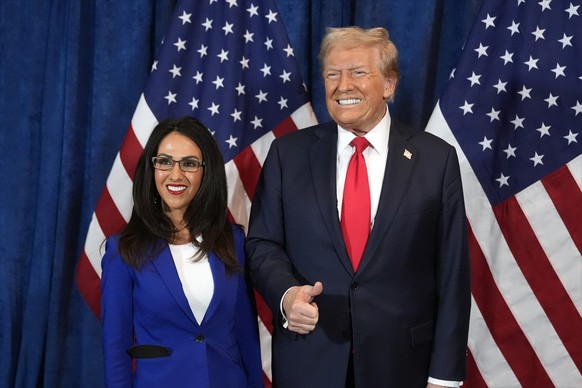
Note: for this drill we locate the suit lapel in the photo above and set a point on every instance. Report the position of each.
(219, 277)
(322, 156)
(165, 266)
(399, 166)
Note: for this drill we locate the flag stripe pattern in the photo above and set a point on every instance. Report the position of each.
(513, 110)
(228, 63)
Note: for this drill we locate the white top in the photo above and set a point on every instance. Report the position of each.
(196, 278)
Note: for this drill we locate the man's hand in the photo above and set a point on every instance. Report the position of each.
(302, 313)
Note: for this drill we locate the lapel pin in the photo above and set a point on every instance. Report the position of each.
(407, 154)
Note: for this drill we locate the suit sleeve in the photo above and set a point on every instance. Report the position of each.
(448, 361)
(246, 324)
(270, 267)
(116, 317)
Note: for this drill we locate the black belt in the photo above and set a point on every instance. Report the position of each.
(149, 351)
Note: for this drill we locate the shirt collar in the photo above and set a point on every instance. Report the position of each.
(378, 136)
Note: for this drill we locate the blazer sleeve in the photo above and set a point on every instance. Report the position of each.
(270, 267)
(116, 317)
(453, 275)
(247, 333)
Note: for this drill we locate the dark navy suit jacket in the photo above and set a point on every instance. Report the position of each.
(405, 313)
(150, 306)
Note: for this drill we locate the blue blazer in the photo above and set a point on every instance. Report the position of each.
(149, 307)
(405, 314)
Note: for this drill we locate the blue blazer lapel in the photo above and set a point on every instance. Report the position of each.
(165, 266)
(220, 283)
(399, 168)
(322, 156)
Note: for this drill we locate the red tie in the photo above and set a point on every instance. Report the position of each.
(355, 221)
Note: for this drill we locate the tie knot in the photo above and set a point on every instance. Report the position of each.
(361, 143)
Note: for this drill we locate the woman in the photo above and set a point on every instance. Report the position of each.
(176, 310)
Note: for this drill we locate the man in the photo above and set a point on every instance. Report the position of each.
(382, 302)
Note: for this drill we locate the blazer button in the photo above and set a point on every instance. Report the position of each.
(199, 338)
(355, 286)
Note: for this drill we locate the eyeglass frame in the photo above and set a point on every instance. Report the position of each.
(200, 163)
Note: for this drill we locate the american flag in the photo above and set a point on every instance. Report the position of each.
(513, 110)
(228, 63)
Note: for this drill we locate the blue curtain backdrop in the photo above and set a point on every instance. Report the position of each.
(71, 73)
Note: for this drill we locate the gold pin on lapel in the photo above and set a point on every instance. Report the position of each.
(407, 154)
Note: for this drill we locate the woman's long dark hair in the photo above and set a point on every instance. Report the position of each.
(149, 229)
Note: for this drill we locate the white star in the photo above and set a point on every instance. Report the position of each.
(517, 122)
(289, 51)
(544, 130)
(282, 102)
(244, 63)
(227, 28)
(194, 103)
(269, 44)
(231, 141)
(175, 71)
(552, 100)
(486, 143)
(493, 115)
(207, 24)
(232, 3)
(510, 151)
(452, 75)
(180, 44)
(236, 115)
(537, 159)
(257, 122)
(185, 17)
(572, 10)
(272, 16)
(566, 40)
(489, 21)
(539, 34)
(482, 50)
(253, 10)
(171, 97)
(532, 63)
(519, 2)
(248, 36)
(286, 77)
(507, 57)
(474, 78)
(545, 4)
(240, 89)
(577, 108)
(266, 70)
(500, 86)
(198, 77)
(467, 108)
(559, 70)
(203, 50)
(524, 93)
(571, 137)
(155, 66)
(262, 96)
(214, 109)
(503, 180)
(218, 82)
(223, 55)
(514, 28)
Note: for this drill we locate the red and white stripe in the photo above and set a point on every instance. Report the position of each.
(526, 316)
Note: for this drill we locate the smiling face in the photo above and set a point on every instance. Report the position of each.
(356, 88)
(176, 187)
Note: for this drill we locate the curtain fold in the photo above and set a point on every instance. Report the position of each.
(71, 74)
